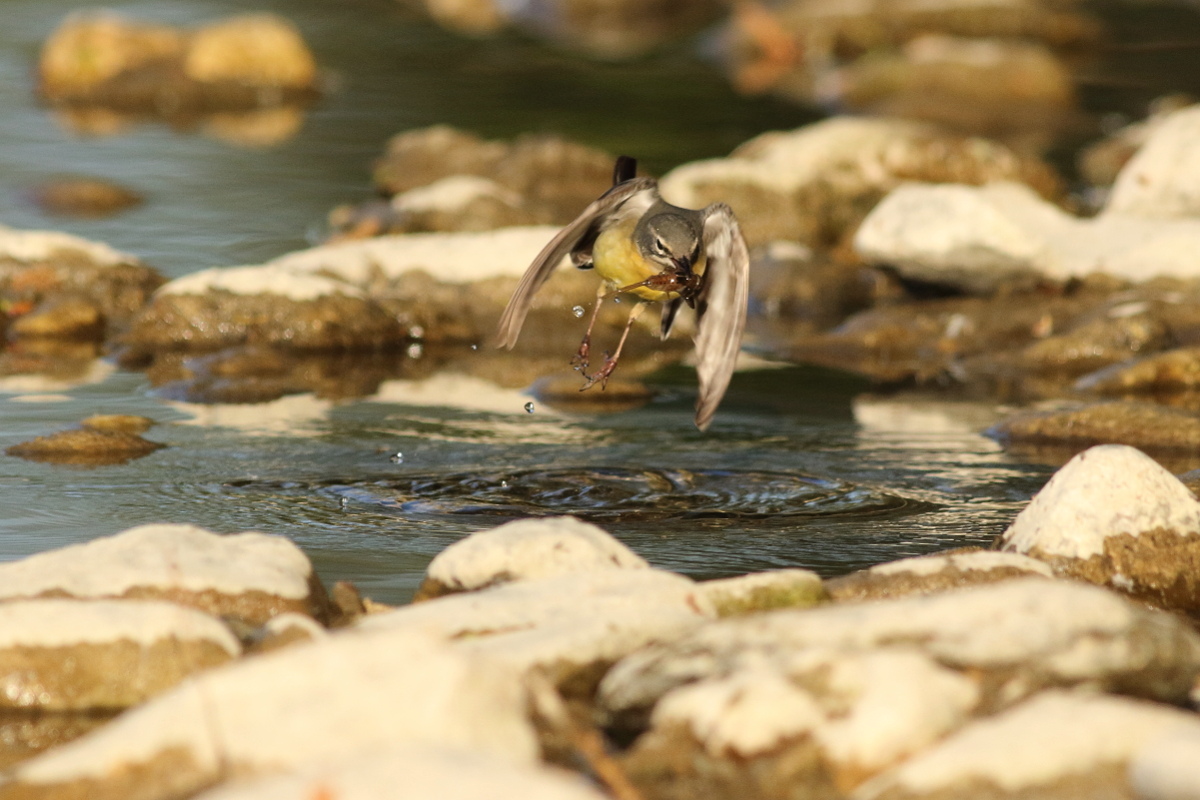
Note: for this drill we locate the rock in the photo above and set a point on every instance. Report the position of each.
(1016, 637)
(1114, 517)
(572, 626)
(88, 49)
(413, 773)
(1164, 768)
(764, 591)
(284, 630)
(123, 423)
(1101, 162)
(458, 203)
(1058, 744)
(261, 50)
(522, 550)
(25, 735)
(85, 447)
(976, 238)
(84, 197)
(1159, 182)
(318, 702)
(248, 576)
(78, 287)
(1173, 433)
(1173, 371)
(939, 572)
(62, 317)
(563, 394)
(822, 725)
(815, 184)
(72, 655)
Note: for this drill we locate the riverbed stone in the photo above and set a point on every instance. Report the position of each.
(815, 184)
(521, 550)
(1115, 517)
(1057, 744)
(248, 576)
(939, 572)
(570, 626)
(1160, 181)
(91, 198)
(332, 698)
(413, 773)
(1015, 637)
(1171, 371)
(764, 591)
(73, 655)
(260, 50)
(84, 447)
(1165, 767)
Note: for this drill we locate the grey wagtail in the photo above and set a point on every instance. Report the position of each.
(655, 252)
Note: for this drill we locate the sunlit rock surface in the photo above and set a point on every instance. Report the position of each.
(1114, 516)
(934, 573)
(571, 626)
(332, 698)
(1016, 636)
(84, 447)
(1160, 181)
(413, 773)
(521, 550)
(71, 655)
(1058, 744)
(1164, 768)
(764, 591)
(1175, 370)
(815, 184)
(249, 576)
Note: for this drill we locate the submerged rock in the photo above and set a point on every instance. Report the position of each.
(247, 576)
(86, 447)
(522, 550)
(84, 197)
(1113, 516)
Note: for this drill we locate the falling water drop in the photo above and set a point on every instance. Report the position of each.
(474, 347)
(577, 311)
(616, 299)
(344, 502)
(398, 458)
(529, 407)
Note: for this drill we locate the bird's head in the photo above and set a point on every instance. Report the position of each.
(669, 239)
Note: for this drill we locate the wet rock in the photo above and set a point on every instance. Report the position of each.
(822, 724)
(290, 709)
(1173, 371)
(1096, 343)
(1113, 516)
(975, 239)
(73, 286)
(1058, 744)
(1159, 182)
(248, 576)
(1174, 433)
(85, 447)
(563, 394)
(571, 626)
(71, 655)
(84, 197)
(940, 572)
(522, 550)
(815, 184)
(243, 62)
(764, 591)
(123, 423)
(1014, 637)
(413, 773)
(63, 317)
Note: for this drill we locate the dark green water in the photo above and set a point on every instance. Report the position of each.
(802, 468)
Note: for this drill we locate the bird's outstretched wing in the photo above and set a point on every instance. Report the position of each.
(721, 308)
(633, 197)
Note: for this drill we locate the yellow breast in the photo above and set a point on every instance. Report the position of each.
(618, 260)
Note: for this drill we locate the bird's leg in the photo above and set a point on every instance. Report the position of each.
(610, 362)
(580, 360)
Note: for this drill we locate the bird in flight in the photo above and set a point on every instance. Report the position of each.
(654, 252)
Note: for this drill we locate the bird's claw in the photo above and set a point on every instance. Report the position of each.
(601, 375)
(579, 361)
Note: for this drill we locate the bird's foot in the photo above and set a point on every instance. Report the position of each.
(601, 375)
(579, 361)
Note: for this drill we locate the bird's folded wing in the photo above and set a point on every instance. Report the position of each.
(721, 310)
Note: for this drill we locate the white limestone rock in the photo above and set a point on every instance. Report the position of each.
(30, 246)
(413, 773)
(763, 591)
(977, 238)
(1162, 180)
(524, 549)
(251, 576)
(1165, 767)
(1079, 742)
(567, 625)
(1114, 516)
(1025, 633)
(333, 698)
(934, 573)
(76, 655)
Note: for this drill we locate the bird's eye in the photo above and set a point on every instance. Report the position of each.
(659, 247)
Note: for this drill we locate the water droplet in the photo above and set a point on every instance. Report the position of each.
(398, 458)
(577, 311)
(414, 350)
(416, 332)
(503, 484)
(474, 347)
(344, 502)
(616, 300)
(529, 407)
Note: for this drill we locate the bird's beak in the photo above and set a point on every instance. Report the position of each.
(683, 265)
